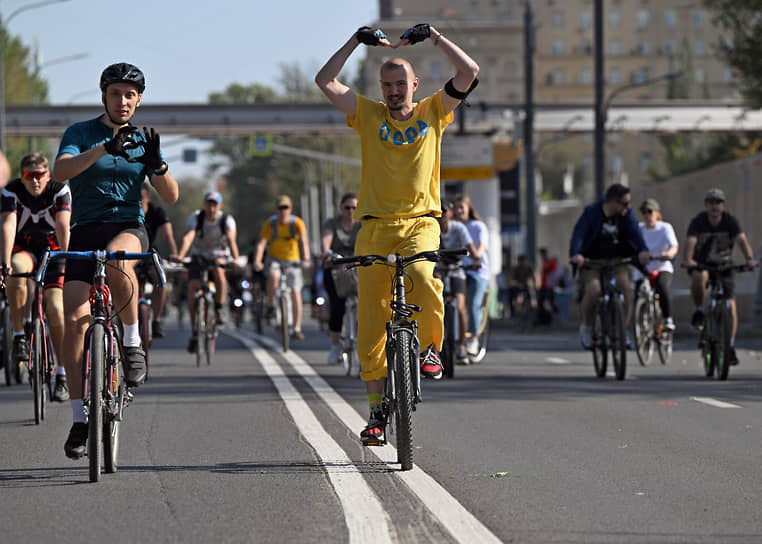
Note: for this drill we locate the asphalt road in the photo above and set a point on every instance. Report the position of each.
(527, 446)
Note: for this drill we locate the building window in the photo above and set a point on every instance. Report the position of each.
(586, 76)
(614, 48)
(698, 17)
(615, 76)
(670, 17)
(586, 49)
(644, 162)
(643, 18)
(615, 164)
(558, 48)
(558, 17)
(670, 47)
(615, 18)
(643, 48)
(585, 20)
(699, 75)
(557, 76)
(640, 75)
(698, 48)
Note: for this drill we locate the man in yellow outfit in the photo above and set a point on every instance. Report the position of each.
(286, 234)
(399, 194)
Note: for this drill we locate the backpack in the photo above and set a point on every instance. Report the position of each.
(274, 227)
(200, 218)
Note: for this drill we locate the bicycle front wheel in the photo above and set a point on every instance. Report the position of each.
(643, 326)
(37, 371)
(600, 345)
(618, 339)
(111, 422)
(404, 358)
(97, 356)
(723, 330)
(201, 329)
(448, 349)
(283, 301)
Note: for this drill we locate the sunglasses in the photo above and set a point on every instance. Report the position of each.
(625, 203)
(646, 211)
(34, 176)
(284, 207)
(350, 207)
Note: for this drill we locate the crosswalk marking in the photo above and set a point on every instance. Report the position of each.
(557, 360)
(714, 402)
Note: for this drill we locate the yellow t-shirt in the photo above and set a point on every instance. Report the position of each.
(400, 159)
(284, 247)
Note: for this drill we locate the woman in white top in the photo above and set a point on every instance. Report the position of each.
(662, 242)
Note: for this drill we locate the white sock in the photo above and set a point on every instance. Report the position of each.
(18, 333)
(131, 336)
(78, 411)
(60, 370)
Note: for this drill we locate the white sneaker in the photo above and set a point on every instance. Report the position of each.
(333, 355)
(586, 336)
(669, 324)
(472, 345)
(461, 355)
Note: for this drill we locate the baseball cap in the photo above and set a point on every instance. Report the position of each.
(213, 195)
(715, 194)
(650, 204)
(283, 200)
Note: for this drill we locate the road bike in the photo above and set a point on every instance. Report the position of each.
(11, 367)
(105, 393)
(714, 341)
(648, 330)
(609, 335)
(258, 289)
(205, 318)
(402, 389)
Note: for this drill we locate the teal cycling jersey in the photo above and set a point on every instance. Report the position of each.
(109, 190)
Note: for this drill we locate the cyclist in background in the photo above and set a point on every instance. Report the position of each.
(454, 235)
(711, 236)
(156, 218)
(36, 211)
(662, 242)
(339, 236)
(523, 284)
(399, 193)
(284, 234)
(106, 160)
(210, 234)
(607, 229)
(477, 271)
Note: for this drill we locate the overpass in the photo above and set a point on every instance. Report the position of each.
(213, 120)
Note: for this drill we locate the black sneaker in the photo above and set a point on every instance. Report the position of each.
(297, 336)
(193, 344)
(374, 434)
(76, 445)
(697, 321)
(20, 348)
(431, 367)
(220, 316)
(61, 390)
(269, 312)
(134, 365)
(732, 357)
(157, 329)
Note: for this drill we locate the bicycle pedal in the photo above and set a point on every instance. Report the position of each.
(374, 442)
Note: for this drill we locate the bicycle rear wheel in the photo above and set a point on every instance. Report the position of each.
(97, 356)
(643, 327)
(6, 339)
(722, 352)
(618, 339)
(403, 359)
(202, 313)
(37, 371)
(600, 345)
(283, 302)
(111, 423)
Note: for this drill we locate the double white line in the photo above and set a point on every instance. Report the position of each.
(365, 517)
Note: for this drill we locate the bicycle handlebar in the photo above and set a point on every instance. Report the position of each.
(367, 260)
(94, 255)
(718, 268)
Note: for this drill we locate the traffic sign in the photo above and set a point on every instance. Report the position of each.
(261, 146)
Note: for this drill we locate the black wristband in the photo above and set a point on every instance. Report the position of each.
(163, 170)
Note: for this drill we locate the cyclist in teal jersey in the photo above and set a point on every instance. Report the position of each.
(106, 160)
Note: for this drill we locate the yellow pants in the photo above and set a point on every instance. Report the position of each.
(405, 237)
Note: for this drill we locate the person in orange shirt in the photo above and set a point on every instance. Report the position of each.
(286, 235)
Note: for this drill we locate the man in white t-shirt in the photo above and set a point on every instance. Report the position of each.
(661, 242)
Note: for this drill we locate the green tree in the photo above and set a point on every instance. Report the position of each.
(741, 27)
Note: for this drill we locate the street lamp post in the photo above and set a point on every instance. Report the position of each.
(600, 128)
(5, 23)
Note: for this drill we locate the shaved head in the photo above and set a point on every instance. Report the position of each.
(396, 64)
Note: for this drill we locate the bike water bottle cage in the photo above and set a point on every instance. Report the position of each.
(450, 89)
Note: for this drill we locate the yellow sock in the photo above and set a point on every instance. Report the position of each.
(374, 401)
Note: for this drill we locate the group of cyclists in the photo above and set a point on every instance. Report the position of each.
(608, 229)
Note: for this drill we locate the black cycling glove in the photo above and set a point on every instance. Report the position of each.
(416, 34)
(368, 36)
(151, 156)
(122, 140)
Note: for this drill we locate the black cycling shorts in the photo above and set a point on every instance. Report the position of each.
(54, 273)
(94, 236)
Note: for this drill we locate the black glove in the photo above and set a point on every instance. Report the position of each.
(123, 140)
(417, 34)
(368, 36)
(151, 156)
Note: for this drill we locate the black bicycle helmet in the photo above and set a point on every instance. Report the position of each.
(123, 72)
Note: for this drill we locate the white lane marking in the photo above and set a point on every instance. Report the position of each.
(714, 402)
(557, 360)
(366, 519)
(462, 524)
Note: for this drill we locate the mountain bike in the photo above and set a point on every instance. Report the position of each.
(105, 392)
(402, 389)
(714, 341)
(648, 330)
(609, 336)
(451, 317)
